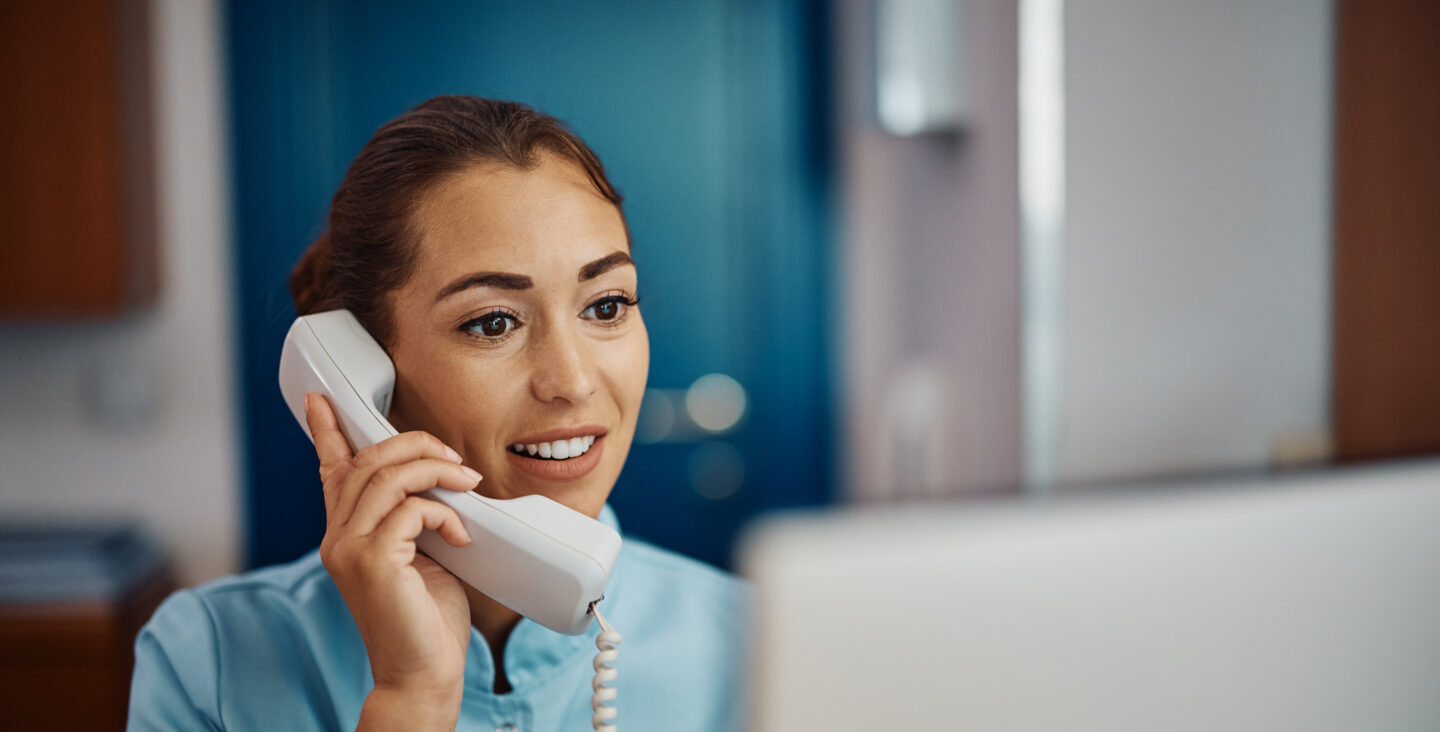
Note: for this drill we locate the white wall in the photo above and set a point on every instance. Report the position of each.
(1197, 242)
(137, 418)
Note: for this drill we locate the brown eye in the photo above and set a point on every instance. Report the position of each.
(492, 325)
(609, 310)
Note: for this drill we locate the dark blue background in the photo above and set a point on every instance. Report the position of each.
(711, 119)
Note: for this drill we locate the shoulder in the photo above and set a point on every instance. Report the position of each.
(293, 579)
(259, 618)
(267, 595)
(672, 580)
(680, 601)
(674, 568)
(266, 630)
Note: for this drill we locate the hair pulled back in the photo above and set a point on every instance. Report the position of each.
(368, 249)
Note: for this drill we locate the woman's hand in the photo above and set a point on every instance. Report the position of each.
(412, 614)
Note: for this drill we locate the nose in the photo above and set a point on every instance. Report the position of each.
(562, 366)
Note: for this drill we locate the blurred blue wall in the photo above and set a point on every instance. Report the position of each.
(710, 117)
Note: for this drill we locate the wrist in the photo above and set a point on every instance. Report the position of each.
(388, 708)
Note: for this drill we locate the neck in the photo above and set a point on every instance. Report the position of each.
(495, 622)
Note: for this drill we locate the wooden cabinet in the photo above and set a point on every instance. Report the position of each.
(76, 192)
(72, 599)
(1387, 230)
(67, 666)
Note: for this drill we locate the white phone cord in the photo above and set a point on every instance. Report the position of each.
(605, 642)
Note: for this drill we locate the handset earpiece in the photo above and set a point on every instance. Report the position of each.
(531, 554)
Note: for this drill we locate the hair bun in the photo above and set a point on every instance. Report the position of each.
(311, 278)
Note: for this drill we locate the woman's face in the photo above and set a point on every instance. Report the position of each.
(518, 328)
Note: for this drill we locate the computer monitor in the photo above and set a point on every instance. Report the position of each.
(1307, 602)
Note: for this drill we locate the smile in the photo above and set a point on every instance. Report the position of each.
(557, 449)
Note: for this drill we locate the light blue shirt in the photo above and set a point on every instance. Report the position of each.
(277, 649)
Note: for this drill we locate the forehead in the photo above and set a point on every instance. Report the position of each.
(545, 222)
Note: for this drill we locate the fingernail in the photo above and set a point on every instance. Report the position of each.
(307, 404)
(471, 472)
(454, 456)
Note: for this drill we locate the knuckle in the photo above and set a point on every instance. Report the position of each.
(424, 439)
(413, 505)
(418, 507)
(329, 473)
(332, 554)
(437, 469)
(386, 475)
(367, 457)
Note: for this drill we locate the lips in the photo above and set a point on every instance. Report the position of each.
(558, 469)
(562, 433)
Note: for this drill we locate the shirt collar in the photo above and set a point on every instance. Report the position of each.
(533, 652)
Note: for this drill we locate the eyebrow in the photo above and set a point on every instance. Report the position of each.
(510, 281)
(498, 280)
(603, 265)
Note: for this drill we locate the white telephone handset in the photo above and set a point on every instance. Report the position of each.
(531, 554)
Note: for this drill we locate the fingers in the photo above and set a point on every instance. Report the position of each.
(416, 513)
(405, 446)
(330, 444)
(391, 485)
(402, 448)
(370, 494)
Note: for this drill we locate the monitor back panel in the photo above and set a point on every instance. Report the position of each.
(1309, 603)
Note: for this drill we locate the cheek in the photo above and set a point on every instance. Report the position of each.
(629, 369)
(467, 399)
(485, 393)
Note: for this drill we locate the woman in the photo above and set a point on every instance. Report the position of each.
(483, 246)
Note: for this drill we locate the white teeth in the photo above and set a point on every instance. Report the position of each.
(557, 450)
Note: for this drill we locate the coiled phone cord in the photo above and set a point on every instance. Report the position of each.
(605, 644)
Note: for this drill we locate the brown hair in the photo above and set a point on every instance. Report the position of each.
(367, 251)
